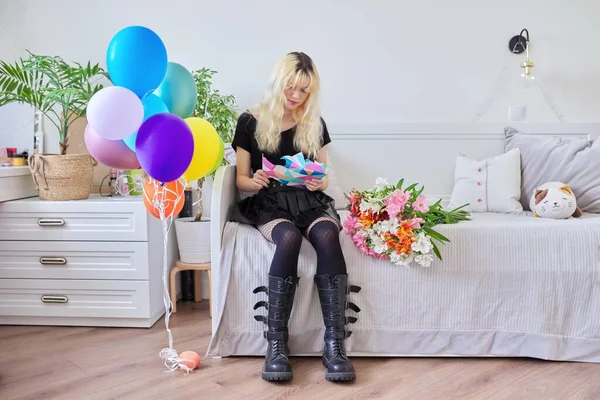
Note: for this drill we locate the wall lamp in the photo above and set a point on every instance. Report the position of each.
(519, 44)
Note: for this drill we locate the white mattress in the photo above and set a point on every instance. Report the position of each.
(508, 286)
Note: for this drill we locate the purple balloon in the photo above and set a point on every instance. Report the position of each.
(112, 153)
(164, 146)
(114, 112)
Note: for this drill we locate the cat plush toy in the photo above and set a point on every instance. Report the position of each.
(554, 200)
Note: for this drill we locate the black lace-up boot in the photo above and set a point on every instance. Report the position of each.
(279, 306)
(333, 294)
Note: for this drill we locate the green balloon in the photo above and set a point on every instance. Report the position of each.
(178, 90)
(220, 158)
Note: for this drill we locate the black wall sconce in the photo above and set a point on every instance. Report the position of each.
(519, 44)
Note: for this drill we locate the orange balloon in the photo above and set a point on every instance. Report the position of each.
(190, 355)
(171, 194)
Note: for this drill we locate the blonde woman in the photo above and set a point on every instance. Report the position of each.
(286, 122)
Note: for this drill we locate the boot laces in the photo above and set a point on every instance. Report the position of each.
(338, 348)
(277, 347)
(337, 345)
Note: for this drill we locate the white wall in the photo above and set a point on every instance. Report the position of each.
(16, 127)
(381, 61)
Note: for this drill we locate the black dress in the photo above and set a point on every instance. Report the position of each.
(298, 205)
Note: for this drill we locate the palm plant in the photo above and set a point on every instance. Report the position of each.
(57, 89)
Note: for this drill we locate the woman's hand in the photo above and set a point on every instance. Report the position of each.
(243, 172)
(314, 184)
(260, 180)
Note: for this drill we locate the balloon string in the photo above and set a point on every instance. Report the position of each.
(169, 355)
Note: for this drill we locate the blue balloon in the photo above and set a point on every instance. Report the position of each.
(178, 90)
(136, 59)
(152, 105)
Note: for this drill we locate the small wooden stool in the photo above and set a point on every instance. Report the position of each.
(197, 268)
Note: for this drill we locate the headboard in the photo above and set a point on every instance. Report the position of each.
(423, 152)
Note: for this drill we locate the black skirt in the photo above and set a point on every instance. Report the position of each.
(300, 206)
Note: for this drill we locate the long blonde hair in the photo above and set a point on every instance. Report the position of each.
(289, 71)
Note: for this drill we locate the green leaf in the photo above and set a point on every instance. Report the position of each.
(399, 184)
(48, 83)
(436, 235)
(411, 187)
(212, 105)
(458, 208)
(436, 250)
(419, 192)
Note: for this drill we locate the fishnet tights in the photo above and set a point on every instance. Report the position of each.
(323, 234)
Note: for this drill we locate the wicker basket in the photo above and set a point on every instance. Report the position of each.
(62, 177)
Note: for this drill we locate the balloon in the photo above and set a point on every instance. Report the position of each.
(164, 146)
(152, 105)
(219, 158)
(136, 59)
(192, 359)
(114, 112)
(207, 145)
(178, 90)
(112, 153)
(170, 193)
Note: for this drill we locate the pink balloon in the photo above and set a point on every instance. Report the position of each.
(115, 112)
(112, 153)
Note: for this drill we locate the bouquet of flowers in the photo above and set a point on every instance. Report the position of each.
(396, 224)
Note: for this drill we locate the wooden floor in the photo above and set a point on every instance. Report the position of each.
(105, 363)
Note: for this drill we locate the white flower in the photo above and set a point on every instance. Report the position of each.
(401, 259)
(379, 245)
(391, 225)
(366, 206)
(381, 183)
(424, 260)
(377, 228)
(422, 245)
(396, 258)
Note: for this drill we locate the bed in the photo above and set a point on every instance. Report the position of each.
(508, 286)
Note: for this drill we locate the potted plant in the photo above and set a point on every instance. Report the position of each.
(60, 91)
(193, 233)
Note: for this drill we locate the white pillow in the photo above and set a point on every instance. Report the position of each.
(492, 185)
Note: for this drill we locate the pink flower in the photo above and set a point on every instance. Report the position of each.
(415, 223)
(396, 202)
(381, 256)
(421, 204)
(350, 224)
(361, 242)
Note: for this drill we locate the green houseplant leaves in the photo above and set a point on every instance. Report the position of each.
(56, 88)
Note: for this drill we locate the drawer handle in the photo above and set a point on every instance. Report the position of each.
(53, 260)
(55, 299)
(51, 222)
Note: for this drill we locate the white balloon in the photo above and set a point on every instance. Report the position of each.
(115, 112)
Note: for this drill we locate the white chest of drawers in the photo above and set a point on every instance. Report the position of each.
(16, 183)
(95, 262)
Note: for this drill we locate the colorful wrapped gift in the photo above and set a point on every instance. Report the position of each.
(296, 171)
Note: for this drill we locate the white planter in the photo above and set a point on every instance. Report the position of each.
(206, 196)
(193, 240)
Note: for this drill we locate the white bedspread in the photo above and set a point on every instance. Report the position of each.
(508, 286)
